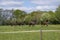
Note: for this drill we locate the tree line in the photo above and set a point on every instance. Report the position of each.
(20, 17)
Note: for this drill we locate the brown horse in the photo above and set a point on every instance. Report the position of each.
(32, 23)
(45, 23)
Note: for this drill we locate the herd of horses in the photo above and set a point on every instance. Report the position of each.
(32, 23)
(45, 23)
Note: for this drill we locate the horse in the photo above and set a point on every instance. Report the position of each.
(32, 23)
(45, 23)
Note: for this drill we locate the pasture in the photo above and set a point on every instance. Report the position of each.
(26, 27)
(30, 36)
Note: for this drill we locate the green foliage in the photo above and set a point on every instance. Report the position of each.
(38, 16)
(52, 17)
(18, 13)
(45, 16)
(58, 14)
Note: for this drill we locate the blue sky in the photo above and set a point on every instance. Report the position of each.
(30, 5)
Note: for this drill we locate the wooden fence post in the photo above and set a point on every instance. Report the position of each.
(40, 34)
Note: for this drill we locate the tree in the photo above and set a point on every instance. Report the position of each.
(19, 15)
(1, 19)
(36, 15)
(52, 17)
(57, 13)
(45, 16)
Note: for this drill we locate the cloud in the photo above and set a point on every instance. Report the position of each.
(30, 9)
(45, 2)
(30, 5)
(21, 8)
(6, 3)
(45, 5)
(39, 2)
(45, 8)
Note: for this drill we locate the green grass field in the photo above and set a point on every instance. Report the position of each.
(26, 27)
(30, 36)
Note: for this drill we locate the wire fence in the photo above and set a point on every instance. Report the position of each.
(31, 35)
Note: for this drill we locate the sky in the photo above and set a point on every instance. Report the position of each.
(30, 5)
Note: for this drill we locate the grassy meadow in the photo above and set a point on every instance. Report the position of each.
(30, 36)
(26, 27)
